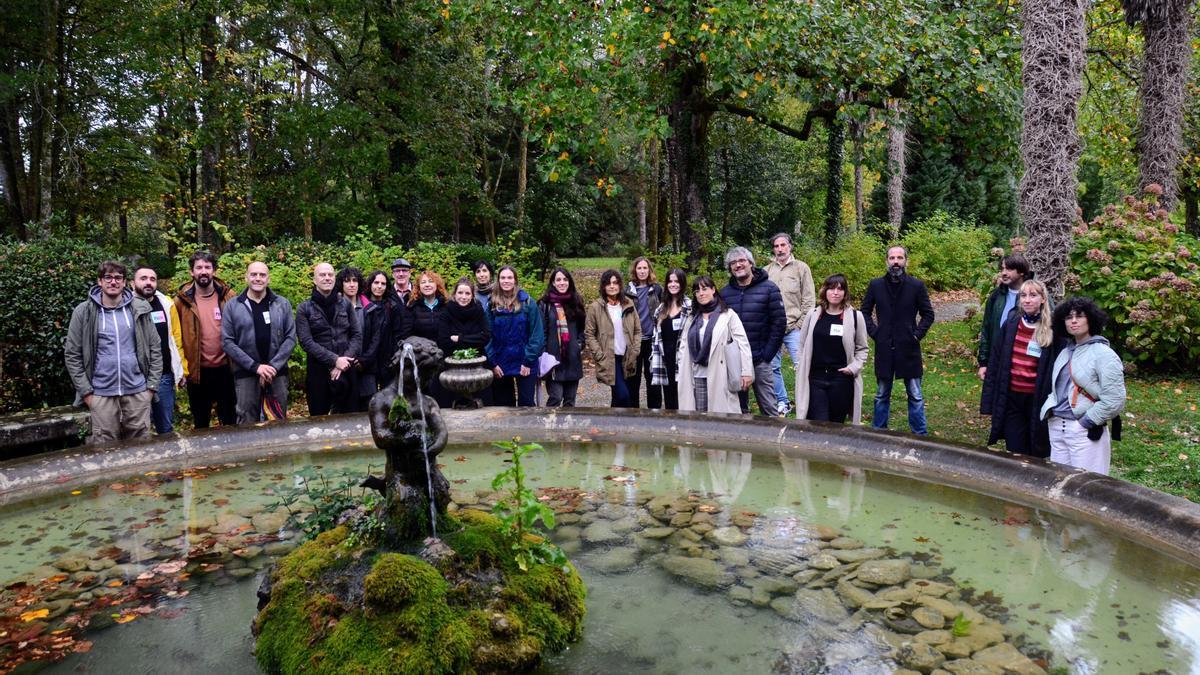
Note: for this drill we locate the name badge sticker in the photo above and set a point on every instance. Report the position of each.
(216, 313)
(836, 330)
(267, 318)
(1034, 349)
(158, 316)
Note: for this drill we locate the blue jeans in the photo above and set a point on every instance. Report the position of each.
(622, 397)
(916, 405)
(791, 342)
(162, 411)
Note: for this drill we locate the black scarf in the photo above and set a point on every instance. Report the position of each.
(472, 312)
(697, 345)
(326, 303)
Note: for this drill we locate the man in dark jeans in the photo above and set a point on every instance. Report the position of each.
(890, 309)
(162, 410)
(209, 379)
(259, 335)
(330, 334)
(759, 305)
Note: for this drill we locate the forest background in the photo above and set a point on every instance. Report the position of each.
(526, 131)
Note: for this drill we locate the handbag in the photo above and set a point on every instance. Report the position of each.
(733, 366)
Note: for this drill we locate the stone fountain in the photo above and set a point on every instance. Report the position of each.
(406, 586)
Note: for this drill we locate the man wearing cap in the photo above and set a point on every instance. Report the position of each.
(402, 275)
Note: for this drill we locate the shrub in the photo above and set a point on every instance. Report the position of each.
(41, 284)
(1140, 269)
(948, 253)
(861, 257)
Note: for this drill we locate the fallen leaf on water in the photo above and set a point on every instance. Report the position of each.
(124, 618)
(145, 575)
(921, 540)
(117, 486)
(459, 481)
(708, 508)
(57, 578)
(76, 492)
(115, 583)
(82, 647)
(35, 614)
(460, 458)
(220, 502)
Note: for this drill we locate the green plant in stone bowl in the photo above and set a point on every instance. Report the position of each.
(465, 354)
(520, 511)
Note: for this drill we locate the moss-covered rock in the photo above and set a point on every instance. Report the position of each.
(335, 608)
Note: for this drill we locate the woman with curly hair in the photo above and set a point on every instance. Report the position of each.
(1088, 391)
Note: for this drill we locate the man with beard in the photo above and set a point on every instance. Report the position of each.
(759, 305)
(330, 334)
(162, 313)
(890, 309)
(199, 305)
(1014, 270)
(113, 357)
(258, 334)
(795, 283)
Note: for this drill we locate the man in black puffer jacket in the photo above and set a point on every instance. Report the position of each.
(759, 305)
(330, 334)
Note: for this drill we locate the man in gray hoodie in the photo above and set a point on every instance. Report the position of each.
(113, 357)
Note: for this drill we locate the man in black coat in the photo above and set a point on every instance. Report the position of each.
(890, 309)
(331, 335)
(759, 305)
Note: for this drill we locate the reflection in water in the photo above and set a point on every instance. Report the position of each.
(798, 486)
(728, 470)
(1181, 623)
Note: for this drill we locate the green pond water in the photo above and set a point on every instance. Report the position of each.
(1087, 601)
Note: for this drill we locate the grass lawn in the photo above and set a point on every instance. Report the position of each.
(597, 264)
(1161, 436)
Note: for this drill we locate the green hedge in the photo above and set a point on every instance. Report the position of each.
(949, 253)
(41, 283)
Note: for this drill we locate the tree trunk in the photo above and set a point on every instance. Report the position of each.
(12, 167)
(1165, 69)
(644, 188)
(653, 190)
(489, 223)
(896, 167)
(208, 135)
(1052, 75)
(522, 173)
(856, 133)
(835, 152)
(399, 202)
(687, 161)
(1191, 211)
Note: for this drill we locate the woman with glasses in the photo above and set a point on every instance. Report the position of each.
(1088, 381)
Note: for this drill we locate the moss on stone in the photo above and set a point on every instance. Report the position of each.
(411, 618)
(396, 580)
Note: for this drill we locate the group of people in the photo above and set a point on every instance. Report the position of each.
(1051, 383)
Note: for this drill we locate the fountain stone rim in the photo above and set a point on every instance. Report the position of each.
(1148, 517)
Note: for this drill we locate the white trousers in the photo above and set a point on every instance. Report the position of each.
(1070, 445)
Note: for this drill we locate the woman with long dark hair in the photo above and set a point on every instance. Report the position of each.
(833, 351)
(379, 291)
(563, 320)
(1088, 389)
(1022, 352)
(711, 336)
(643, 288)
(613, 335)
(349, 283)
(517, 341)
(669, 317)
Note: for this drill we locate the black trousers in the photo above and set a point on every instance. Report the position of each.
(1018, 413)
(326, 395)
(830, 397)
(215, 386)
(654, 397)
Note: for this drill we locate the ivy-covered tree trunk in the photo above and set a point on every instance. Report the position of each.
(209, 137)
(1052, 75)
(1166, 27)
(687, 160)
(396, 198)
(895, 165)
(856, 135)
(835, 152)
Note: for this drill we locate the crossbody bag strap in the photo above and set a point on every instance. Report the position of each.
(1077, 389)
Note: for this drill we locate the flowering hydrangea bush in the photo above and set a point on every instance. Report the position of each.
(1141, 270)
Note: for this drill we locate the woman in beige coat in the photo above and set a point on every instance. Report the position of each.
(613, 334)
(833, 351)
(703, 376)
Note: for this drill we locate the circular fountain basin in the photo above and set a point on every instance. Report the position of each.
(1080, 560)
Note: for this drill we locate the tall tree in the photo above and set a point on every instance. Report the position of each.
(1166, 28)
(1052, 76)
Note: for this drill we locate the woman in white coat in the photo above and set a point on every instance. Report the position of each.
(704, 382)
(833, 351)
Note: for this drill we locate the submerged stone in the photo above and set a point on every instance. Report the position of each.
(600, 532)
(727, 536)
(615, 561)
(884, 572)
(1008, 659)
(699, 571)
(920, 656)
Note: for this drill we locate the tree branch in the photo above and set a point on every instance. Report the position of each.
(800, 134)
(305, 66)
(1113, 62)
